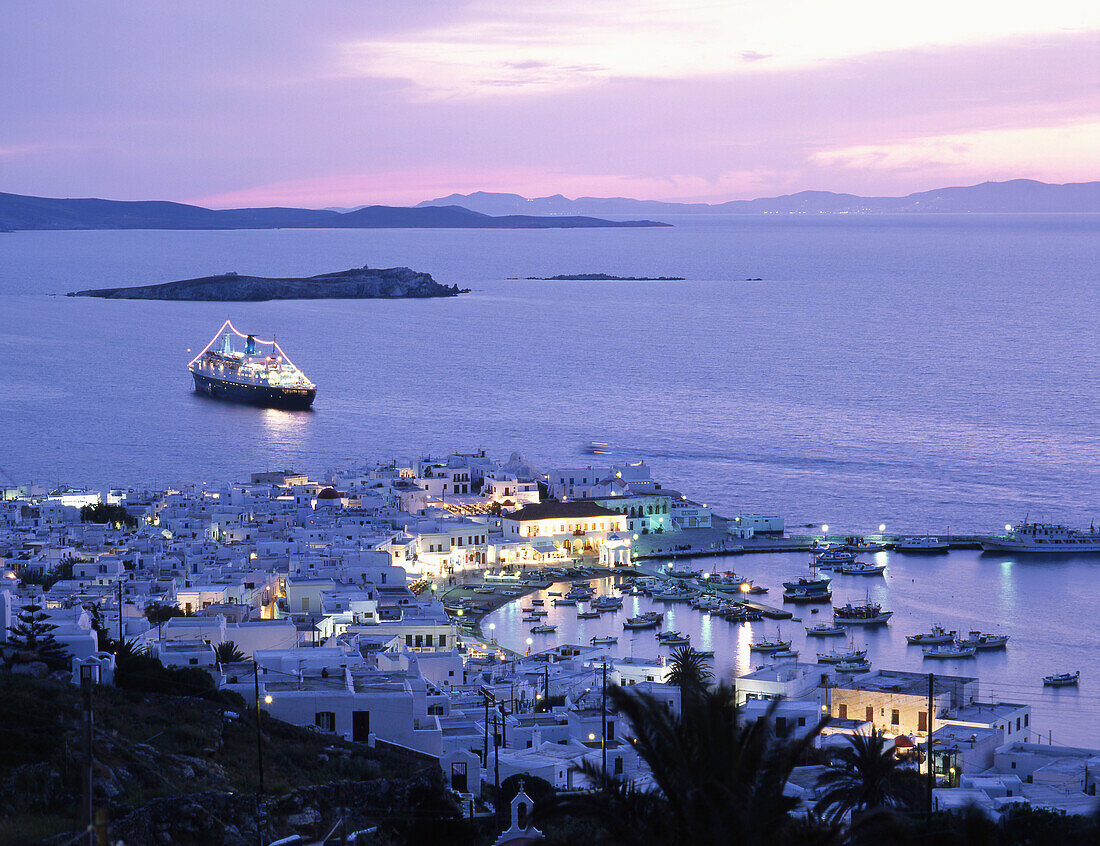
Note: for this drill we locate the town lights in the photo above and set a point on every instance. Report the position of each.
(824, 527)
(1008, 527)
(268, 700)
(744, 587)
(881, 528)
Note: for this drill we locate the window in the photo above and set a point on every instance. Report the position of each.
(325, 720)
(192, 660)
(870, 715)
(427, 640)
(611, 730)
(408, 640)
(618, 766)
(802, 721)
(1017, 724)
(842, 712)
(895, 717)
(443, 642)
(1027, 719)
(419, 640)
(1013, 765)
(922, 721)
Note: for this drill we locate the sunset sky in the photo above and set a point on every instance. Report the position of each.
(346, 103)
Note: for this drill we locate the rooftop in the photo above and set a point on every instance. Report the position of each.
(560, 511)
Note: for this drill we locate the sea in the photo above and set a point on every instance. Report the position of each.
(933, 373)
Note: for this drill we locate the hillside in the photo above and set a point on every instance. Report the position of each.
(19, 212)
(1017, 195)
(186, 769)
(357, 283)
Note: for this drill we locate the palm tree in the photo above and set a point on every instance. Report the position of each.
(228, 653)
(863, 776)
(688, 668)
(716, 780)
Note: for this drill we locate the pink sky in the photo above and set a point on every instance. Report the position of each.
(346, 103)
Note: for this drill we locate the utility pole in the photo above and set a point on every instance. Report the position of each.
(485, 751)
(86, 680)
(496, 755)
(603, 722)
(120, 611)
(259, 736)
(928, 751)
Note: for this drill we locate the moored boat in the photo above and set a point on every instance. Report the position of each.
(1062, 679)
(860, 568)
(1045, 538)
(864, 614)
(648, 620)
(602, 639)
(981, 640)
(765, 645)
(588, 615)
(543, 629)
(860, 666)
(937, 635)
(825, 630)
(925, 543)
(850, 655)
(958, 649)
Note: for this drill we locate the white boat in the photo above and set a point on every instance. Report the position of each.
(825, 630)
(858, 544)
(981, 640)
(1062, 679)
(927, 543)
(604, 639)
(860, 568)
(543, 629)
(588, 615)
(765, 645)
(785, 654)
(648, 620)
(850, 656)
(861, 666)
(949, 650)
(937, 635)
(530, 619)
(1045, 538)
(607, 603)
(831, 557)
(484, 589)
(673, 639)
(866, 614)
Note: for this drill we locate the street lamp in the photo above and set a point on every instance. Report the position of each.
(529, 642)
(881, 528)
(268, 700)
(492, 632)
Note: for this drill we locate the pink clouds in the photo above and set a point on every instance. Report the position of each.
(262, 109)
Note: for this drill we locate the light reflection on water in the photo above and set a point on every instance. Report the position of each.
(1044, 606)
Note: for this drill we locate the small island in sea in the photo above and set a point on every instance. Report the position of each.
(357, 283)
(604, 277)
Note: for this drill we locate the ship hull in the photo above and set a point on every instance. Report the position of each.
(291, 399)
(993, 545)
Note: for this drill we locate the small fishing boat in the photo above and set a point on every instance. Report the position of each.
(859, 544)
(648, 620)
(765, 645)
(673, 639)
(604, 639)
(821, 584)
(980, 640)
(958, 649)
(564, 601)
(785, 655)
(805, 596)
(860, 568)
(865, 614)
(825, 630)
(1062, 679)
(531, 619)
(538, 601)
(484, 589)
(553, 593)
(543, 629)
(832, 557)
(607, 603)
(849, 656)
(588, 615)
(922, 544)
(937, 635)
(860, 666)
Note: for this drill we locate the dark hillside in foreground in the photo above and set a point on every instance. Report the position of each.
(186, 768)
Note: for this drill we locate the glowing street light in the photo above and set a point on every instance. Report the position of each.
(529, 642)
(492, 632)
(824, 527)
(1008, 527)
(268, 700)
(881, 528)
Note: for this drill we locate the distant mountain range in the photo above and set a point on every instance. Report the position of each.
(21, 212)
(1017, 195)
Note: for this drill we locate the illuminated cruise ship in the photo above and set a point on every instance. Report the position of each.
(257, 377)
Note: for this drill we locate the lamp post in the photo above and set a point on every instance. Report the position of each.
(492, 633)
(529, 642)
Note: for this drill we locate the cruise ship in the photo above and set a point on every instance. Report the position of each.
(1045, 538)
(264, 377)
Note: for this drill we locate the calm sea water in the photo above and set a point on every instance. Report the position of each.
(927, 372)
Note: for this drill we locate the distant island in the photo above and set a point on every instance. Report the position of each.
(605, 277)
(1016, 195)
(358, 283)
(19, 212)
